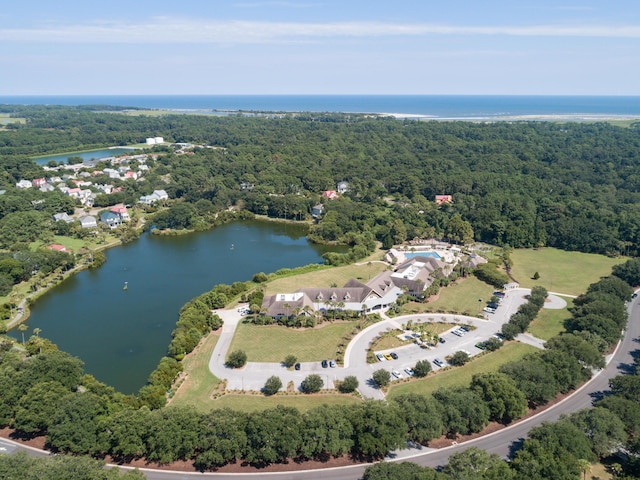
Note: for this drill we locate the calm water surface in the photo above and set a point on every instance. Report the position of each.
(121, 334)
(85, 155)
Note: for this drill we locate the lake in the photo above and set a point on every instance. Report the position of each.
(122, 334)
(85, 155)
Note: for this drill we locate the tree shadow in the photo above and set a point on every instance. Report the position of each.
(515, 446)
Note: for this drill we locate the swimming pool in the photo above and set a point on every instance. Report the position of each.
(422, 254)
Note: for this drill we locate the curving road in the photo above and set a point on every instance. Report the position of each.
(498, 442)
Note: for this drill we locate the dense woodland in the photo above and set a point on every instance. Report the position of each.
(572, 186)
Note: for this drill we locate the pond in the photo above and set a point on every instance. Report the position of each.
(85, 155)
(121, 334)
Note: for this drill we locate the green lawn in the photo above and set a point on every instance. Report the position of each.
(461, 376)
(326, 277)
(200, 383)
(550, 323)
(560, 271)
(253, 403)
(460, 297)
(273, 343)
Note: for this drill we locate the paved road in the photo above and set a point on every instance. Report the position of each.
(498, 442)
(254, 375)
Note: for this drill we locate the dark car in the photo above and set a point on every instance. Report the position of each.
(325, 363)
(297, 366)
(442, 340)
(394, 355)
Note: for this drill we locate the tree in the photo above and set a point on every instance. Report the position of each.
(463, 411)
(422, 415)
(272, 385)
(237, 359)
(506, 403)
(327, 431)
(273, 435)
(422, 368)
(399, 471)
(378, 428)
(603, 428)
(37, 407)
(23, 328)
(459, 358)
(476, 464)
(382, 377)
(222, 438)
(349, 384)
(290, 361)
(312, 383)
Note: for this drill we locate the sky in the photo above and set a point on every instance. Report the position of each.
(230, 47)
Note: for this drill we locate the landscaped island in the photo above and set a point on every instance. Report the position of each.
(357, 181)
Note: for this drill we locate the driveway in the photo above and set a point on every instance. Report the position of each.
(254, 375)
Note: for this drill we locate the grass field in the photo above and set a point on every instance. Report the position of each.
(460, 297)
(200, 383)
(560, 271)
(254, 403)
(461, 376)
(326, 277)
(550, 323)
(273, 343)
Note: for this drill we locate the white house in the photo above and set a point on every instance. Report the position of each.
(156, 196)
(24, 184)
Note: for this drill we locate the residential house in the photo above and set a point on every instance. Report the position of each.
(62, 217)
(57, 247)
(343, 187)
(317, 211)
(47, 188)
(88, 221)
(74, 192)
(440, 199)
(122, 212)
(24, 184)
(156, 196)
(38, 182)
(330, 194)
(111, 219)
(132, 175)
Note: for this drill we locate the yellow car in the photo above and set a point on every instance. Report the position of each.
(388, 357)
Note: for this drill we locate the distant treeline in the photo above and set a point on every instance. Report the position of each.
(524, 184)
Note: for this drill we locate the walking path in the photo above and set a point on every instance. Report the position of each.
(254, 374)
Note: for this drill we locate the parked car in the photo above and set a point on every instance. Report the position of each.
(388, 357)
(297, 366)
(438, 362)
(396, 373)
(394, 355)
(380, 357)
(325, 364)
(409, 371)
(442, 340)
(332, 363)
(481, 345)
(464, 328)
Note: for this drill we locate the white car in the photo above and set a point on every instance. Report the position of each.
(409, 371)
(396, 373)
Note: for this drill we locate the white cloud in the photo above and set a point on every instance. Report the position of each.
(164, 30)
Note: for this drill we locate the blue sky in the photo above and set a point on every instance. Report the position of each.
(563, 47)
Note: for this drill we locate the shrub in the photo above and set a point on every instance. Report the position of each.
(272, 385)
(290, 361)
(237, 359)
(422, 368)
(312, 383)
(382, 377)
(459, 358)
(349, 384)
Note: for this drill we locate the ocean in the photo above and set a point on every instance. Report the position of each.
(419, 106)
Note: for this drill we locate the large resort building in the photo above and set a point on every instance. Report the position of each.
(414, 275)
